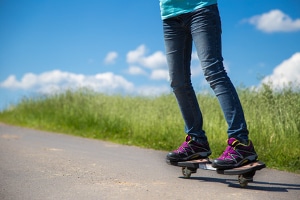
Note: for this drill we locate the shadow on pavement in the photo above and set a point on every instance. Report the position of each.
(255, 185)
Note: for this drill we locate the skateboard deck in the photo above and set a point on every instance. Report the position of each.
(245, 173)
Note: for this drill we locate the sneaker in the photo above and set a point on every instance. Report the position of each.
(236, 154)
(189, 150)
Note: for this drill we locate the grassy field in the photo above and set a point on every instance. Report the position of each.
(273, 120)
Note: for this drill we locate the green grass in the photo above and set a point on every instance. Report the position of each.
(273, 120)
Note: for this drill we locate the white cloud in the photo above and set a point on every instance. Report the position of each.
(274, 21)
(196, 70)
(111, 57)
(135, 55)
(195, 55)
(286, 72)
(160, 74)
(155, 60)
(56, 80)
(134, 70)
(138, 56)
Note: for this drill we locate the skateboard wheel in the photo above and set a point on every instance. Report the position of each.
(243, 181)
(187, 172)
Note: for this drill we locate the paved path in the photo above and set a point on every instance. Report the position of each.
(42, 165)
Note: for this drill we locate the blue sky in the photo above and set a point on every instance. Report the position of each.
(117, 46)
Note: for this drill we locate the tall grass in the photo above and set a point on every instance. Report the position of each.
(273, 120)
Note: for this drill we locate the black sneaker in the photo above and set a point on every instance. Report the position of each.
(236, 154)
(189, 150)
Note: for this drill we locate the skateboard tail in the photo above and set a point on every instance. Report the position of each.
(254, 166)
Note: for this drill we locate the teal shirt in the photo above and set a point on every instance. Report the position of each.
(172, 8)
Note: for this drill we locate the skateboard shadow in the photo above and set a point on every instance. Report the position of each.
(255, 185)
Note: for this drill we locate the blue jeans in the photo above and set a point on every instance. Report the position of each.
(203, 26)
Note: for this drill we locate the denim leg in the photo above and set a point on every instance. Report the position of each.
(178, 45)
(206, 32)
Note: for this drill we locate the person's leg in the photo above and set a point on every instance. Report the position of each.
(206, 32)
(178, 45)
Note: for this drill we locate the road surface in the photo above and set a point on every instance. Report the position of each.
(43, 165)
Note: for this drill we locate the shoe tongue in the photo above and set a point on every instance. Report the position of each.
(232, 142)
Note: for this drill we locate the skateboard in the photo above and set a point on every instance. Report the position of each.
(245, 173)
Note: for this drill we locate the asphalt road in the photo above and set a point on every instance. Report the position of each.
(42, 165)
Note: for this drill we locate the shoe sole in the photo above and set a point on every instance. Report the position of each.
(199, 155)
(241, 163)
